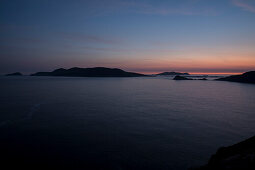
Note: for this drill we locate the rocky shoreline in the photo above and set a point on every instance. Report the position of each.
(236, 157)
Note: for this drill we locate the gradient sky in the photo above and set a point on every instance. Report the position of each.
(147, 36)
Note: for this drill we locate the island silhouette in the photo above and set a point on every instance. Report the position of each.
(181, 78)
(248, 77)
(89, 72)
(14, 74)
(185, 78)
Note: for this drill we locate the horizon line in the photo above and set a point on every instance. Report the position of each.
(220, 73)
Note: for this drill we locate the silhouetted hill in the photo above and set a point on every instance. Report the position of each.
(171, 74)
(238, 156)
(89, 72)
(248, 77)
(14, 74)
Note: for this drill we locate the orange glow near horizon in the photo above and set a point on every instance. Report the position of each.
(200, 73)
(193, 63)
(215, 73)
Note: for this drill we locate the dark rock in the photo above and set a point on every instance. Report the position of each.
(238, 156)
(171, 74)
(181, 78)
(14, 74)
(89, 72)
(248, 77)
(202, 79)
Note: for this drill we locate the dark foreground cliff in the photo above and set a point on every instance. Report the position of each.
(236, 157)
(89, 72)
(248, 77)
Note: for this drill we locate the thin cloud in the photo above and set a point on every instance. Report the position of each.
(182, 9)
(245, 5)
(186, 7)
(90, 38)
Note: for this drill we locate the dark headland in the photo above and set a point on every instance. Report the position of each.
(89, 72)
(14, 74)
(235, 157)
(171, 74)
(248, 77)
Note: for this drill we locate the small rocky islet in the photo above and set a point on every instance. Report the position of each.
(14, 74)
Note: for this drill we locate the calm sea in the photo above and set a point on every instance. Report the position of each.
(121, 123)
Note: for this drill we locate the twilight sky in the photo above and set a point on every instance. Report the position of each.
(147, 36)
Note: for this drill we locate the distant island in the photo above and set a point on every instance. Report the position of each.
(185, 78)
(248, 77)
(14, 74)
(181, 78)
(89, 72)
(238, 156)
(171, 74)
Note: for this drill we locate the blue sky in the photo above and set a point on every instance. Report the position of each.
(145, 36)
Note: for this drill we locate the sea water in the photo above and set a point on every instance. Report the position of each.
(121, 123)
